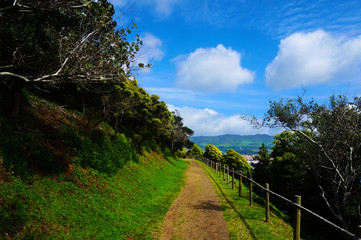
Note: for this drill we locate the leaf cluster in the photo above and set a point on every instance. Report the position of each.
(237, 162)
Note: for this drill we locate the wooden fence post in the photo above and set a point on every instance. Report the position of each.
(267, 203)
(240, 183)
(227, 174)
(297, 230)
(224, 172)
(250, 190)
(232, 178)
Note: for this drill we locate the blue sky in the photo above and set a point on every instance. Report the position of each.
(218, 60)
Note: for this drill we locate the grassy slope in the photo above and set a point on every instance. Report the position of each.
(245, 222)
(89, 205)
(123, 199)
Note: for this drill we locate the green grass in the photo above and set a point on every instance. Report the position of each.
(88, 204)
(245, 222)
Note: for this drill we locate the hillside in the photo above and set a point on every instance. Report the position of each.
(85, 153)
(246, 144)
(59, 181)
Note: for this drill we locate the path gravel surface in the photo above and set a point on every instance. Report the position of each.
(196, 213)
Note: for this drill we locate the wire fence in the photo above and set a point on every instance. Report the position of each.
(225, 173)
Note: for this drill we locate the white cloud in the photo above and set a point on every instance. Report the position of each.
(207, 122)
(163, 7)
(151, 49)
(306, 59)
(152, 46)
(212, 69)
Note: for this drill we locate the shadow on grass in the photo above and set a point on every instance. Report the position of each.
(168, 159)
(233, 207)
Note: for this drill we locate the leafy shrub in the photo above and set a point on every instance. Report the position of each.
(167, 152)
(196, 150)
(237, 161)
(213, 153)
(44, 159)
(99, 152)
(12, 151)
(21, 149)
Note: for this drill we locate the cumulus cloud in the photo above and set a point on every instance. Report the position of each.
(152, 46)
(207, 122)
(306, 59)
(212, 70)
(163, 7)
(151, 49)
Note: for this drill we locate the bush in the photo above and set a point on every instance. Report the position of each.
(196, 150)
(99, 152)
(12, 151)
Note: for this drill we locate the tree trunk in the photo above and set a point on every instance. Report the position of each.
(11, 101)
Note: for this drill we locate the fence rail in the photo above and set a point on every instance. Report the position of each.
(219, 170)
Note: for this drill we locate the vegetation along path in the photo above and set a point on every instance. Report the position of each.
(197, 212)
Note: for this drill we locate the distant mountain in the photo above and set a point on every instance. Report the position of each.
(246, 144)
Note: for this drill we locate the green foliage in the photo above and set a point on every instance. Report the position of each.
(237, 162)
(99, 152)
(74, 50)
(196, 150)
(64, 40)
(213, 153)
(288, 172)
(12, 152)
(261, 174)
(23, 150)
(179, 134)
(145, 119)
(181, 153)
(331, 133)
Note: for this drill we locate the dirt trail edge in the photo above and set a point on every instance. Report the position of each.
(197, 212)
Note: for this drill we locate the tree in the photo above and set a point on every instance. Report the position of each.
(333, 132)
(261, 174)
(60, 44)
(237, 161)
(180, 134)
(289, 171)
(76, 41)
(196, 150)
(213, 153)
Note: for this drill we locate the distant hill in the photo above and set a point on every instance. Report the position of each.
(246, 144)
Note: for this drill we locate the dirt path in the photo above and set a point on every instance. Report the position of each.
(196, 213)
